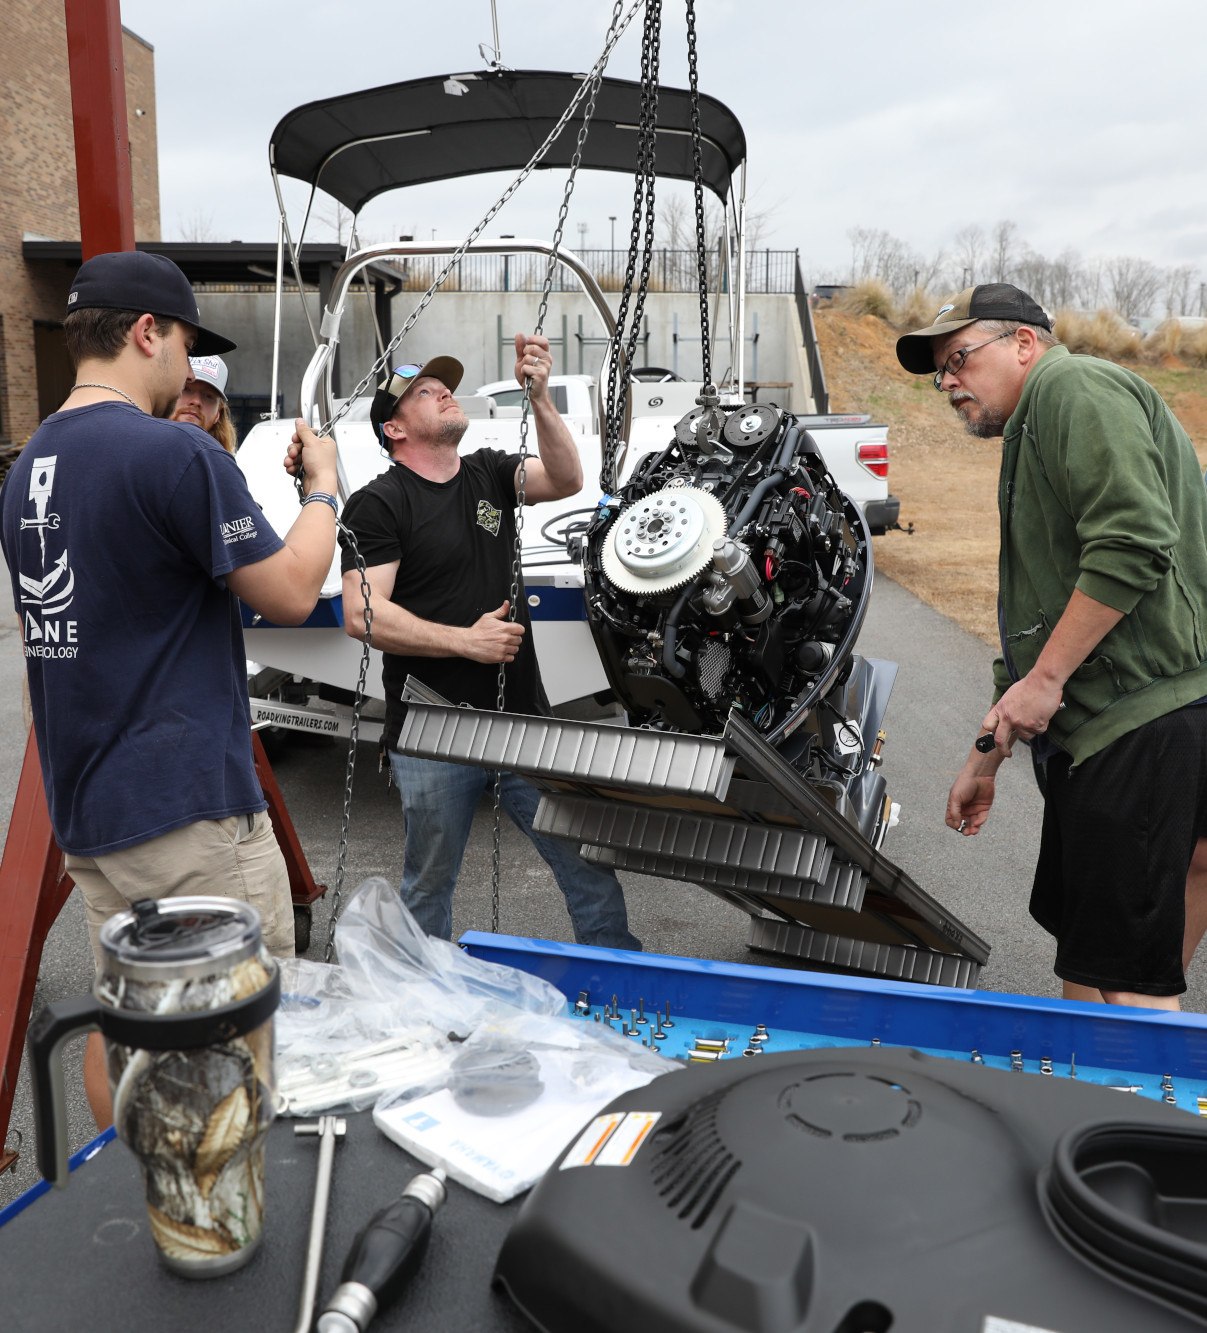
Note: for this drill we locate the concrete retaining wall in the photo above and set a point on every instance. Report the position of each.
(477, 327)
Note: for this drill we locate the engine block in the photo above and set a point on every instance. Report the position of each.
(731, 573)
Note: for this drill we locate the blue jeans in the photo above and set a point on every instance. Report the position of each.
(439, 801)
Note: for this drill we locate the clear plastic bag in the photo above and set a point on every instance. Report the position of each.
(392, 1017)
(382, 950)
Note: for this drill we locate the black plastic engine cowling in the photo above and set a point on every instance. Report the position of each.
(862, 1191)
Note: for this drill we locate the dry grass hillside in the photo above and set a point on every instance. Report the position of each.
(947, 481)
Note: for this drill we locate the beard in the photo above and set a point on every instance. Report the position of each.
(988, 425)
(452, 428)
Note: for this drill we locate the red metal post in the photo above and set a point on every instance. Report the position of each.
(302, 888)
(102, 136)
(33, 889)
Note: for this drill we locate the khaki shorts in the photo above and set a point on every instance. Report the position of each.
(237, 857)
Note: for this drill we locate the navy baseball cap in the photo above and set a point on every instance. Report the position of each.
(148, 283)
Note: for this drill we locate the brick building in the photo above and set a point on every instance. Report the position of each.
(38, 199)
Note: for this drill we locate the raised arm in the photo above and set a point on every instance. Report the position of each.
(558, 471)
(285, 586)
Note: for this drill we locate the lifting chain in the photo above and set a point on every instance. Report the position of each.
(517, 578)
(698, 186)
(590, 80)
(643, 212)
(588, 89)
(341, 855)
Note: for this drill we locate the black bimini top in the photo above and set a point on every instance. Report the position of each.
(356, 146)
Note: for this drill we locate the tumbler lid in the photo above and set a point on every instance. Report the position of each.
(170, 933)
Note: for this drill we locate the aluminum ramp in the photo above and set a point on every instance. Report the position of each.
(726, 813)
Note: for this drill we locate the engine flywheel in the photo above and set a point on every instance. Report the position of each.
(662, 541)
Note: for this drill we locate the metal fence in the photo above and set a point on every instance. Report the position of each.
(670, 271)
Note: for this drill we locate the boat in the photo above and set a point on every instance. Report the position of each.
(708, 584)
(355, 146)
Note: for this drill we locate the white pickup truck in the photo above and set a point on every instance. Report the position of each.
(855, 449)
(321, 655)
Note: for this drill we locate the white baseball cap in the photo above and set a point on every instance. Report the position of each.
(209, 370)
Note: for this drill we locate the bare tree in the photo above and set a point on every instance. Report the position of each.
(1003, 243)
(930, 271)
(1134, 284)
(1033, 273)
(198, 226)
(1181, 290)
(878, 255)
(861, 240)
(335, 218)
(1067, 279)
(1133, 287)
(1093, 287)
(969, 254)
(675, 227)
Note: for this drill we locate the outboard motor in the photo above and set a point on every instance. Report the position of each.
(730, 572)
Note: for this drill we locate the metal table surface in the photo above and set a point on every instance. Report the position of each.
(82, 1257)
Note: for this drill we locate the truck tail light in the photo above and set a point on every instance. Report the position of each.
(874, 457)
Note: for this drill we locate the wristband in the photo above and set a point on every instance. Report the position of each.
(321, 497)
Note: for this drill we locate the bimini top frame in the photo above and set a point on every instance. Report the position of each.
(358, 145)
(317, 403)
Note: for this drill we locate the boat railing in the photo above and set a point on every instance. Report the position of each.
(317, 398)
(817, 374)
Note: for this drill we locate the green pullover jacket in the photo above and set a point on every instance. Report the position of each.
(1100, 489)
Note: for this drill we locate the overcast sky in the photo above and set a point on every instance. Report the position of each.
(1082, 121)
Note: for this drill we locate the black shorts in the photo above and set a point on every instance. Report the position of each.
(1118, 835)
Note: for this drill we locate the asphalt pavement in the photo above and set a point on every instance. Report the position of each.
(941, 694)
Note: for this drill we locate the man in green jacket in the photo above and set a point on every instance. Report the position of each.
(1102, 611)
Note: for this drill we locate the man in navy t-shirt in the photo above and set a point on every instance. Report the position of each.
(437, 534)
(129, 540)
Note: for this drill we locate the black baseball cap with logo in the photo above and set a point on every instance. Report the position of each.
(988, 300)
(148, 283)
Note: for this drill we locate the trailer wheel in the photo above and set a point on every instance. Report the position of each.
(302, 919)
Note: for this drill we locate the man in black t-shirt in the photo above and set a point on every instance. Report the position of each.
(437, 534)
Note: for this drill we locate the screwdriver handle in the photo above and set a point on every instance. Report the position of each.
(385, 1256)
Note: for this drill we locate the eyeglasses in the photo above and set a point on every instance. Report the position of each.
(955, 362)
(407, 372)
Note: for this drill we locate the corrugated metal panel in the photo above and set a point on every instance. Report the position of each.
(843, 885)
(630, 758)
(777, 847)
(691, 838)
(883, 960)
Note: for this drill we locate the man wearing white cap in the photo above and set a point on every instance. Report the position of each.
(203, 400)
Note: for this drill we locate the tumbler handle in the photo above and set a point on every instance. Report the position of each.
(53, 1027)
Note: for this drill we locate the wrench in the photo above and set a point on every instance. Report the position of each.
(329, 1128)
